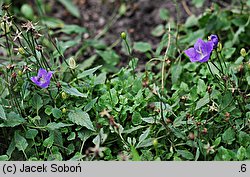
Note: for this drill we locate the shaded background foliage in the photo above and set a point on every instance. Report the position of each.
(100, 110)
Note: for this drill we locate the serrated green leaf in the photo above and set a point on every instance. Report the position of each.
(2, 113)
(57, 113)
(87, 63)
(186, 154)
(136, 118)
(12, 120)
(142, 46)
(72, 136)
(31, 133)
(81, 118)
(90, 105)
(74, 92)
(109, 56)
(100, 79)
(228, 136)
(20, 142)
(241, 153)
(37, 102)
(88, 72)
(48, 142)
(228, 52)
(176, 71)
(217, 141)
(244, 138)
(54, 125)
(144, 135)
(202, 102)
(4, 158)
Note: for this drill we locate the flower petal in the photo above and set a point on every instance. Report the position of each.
(191, 53)
(34, 79)
(199, 45)
(41, 72)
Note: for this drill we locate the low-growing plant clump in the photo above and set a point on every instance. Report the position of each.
(190, 102)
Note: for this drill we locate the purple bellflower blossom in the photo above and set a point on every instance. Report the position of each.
(214, 39)
(200, 52)
(43, 78)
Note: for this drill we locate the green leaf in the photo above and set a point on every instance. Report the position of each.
(4, 158)
(223, 154)
(244, 138)
(27, 11)
(2, 113)
(74, 92)
(146, 143)
(241, 153)
(37, 102)
(109, 56)
(100, 79)
(135, 155)
(48, 142)
(73, 9)
(90, 105)
(48, 110)
(12, 120)
(201, 87)
(136, 118)
(78, 156)
(217, 141)
(158, 30)
(54, 125)
(31, 133)
(72, 136)
(197, 154)
(202, 102)
(198, 3)
(164, 14)
(57, 113)
(88, 72)
(186, 154)
(81, 118)
(142, 46)
(52, 22)
(70, 29)
(87, 63)
(228, 52)
(191, 21)
(176, 71)
(144, 135)
(20, 142)
(228, 136)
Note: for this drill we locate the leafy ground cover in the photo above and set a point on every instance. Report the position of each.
(63, 96)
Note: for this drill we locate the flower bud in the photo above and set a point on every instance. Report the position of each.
(72, 63)
(20, 73)
(21, 50)
(123, 35)
(64, 95)
(155, 142)
(219, 47)
(243, 52)
(64, 110)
